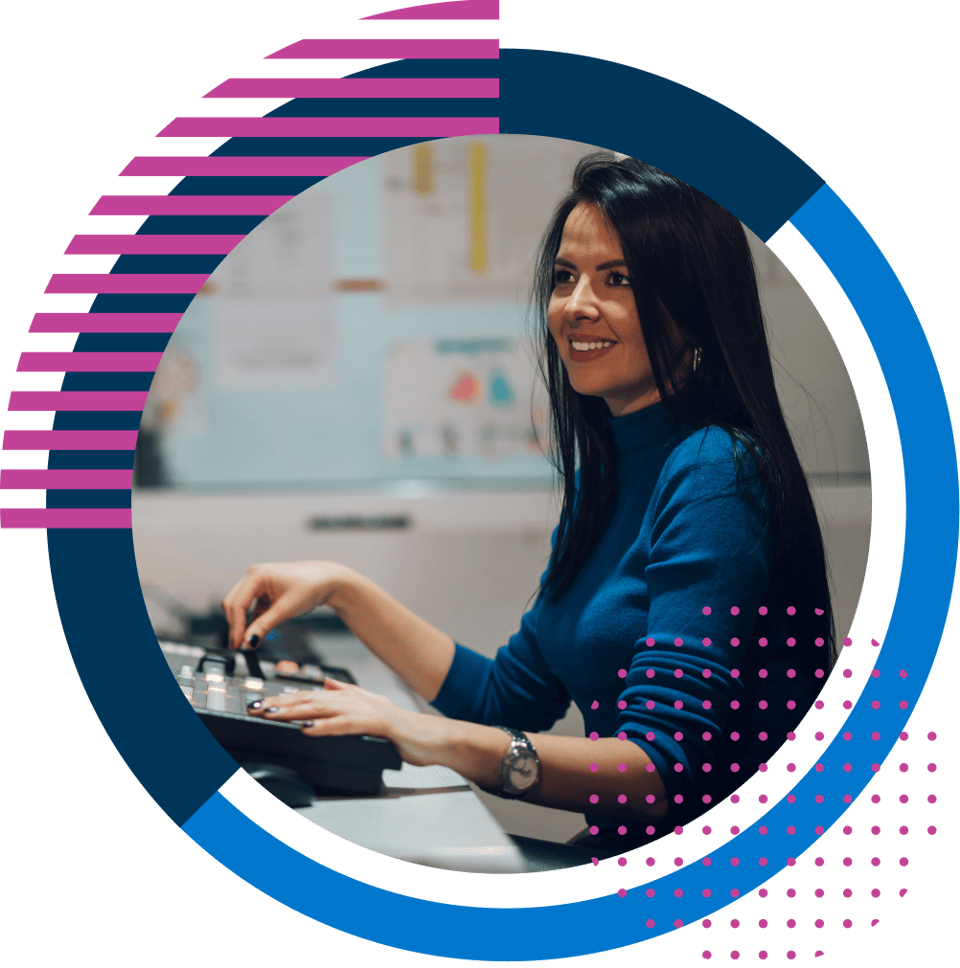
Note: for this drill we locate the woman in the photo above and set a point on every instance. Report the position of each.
(685, 608)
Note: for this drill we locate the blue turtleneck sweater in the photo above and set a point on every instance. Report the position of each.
(661, 636)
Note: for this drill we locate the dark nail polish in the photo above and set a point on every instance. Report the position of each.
(253, 641)
(272, 709)
(308, 725)
(256, 704)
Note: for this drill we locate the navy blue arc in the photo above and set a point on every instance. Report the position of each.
(644, 116)
(153, 726)
(765, 185)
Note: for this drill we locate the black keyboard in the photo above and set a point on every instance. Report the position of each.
(340, 764)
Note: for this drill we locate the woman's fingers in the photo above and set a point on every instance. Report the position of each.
(332, 726)
(300, 711)
(253, 587)
(276, 593)
(294, 705)
(271, 604)
(260, 607)
(319, 718)
(269, 614)
(339, 710)
(236, 615)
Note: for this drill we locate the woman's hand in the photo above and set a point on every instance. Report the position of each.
(419, 653)
(278, 592)
(341, 709)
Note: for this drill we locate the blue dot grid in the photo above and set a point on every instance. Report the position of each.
(765, 185)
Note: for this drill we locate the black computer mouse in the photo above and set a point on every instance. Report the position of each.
(283, 782)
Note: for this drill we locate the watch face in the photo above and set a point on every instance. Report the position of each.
(523, 771)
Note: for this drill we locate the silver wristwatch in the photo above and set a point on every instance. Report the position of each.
(520, 768)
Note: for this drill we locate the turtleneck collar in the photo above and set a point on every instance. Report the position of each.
(647, 429)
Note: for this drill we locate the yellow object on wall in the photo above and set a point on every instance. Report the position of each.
(423, 170)
(477, 205)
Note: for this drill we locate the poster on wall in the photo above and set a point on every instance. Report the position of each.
(462, 398)
(274, 342)
(272, 303)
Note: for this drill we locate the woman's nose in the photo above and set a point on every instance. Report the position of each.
(582, 303)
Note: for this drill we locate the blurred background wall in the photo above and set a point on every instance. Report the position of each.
(355, 382)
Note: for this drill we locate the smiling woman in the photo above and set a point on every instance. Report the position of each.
(685, 607)
(593, 316)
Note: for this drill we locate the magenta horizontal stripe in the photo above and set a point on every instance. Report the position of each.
(105, 322)
(450, 10)
(88, 362)
(81, 479)
(181, 166)
(325, 128)
(66, 518)
(153, 244)
(358, 87)
(390, 49)
(77, 400)
(189, 204)
(126, 282)
(69, 440)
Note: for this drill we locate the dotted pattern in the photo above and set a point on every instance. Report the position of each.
(750, 857)
(780, 908)
(708, 767)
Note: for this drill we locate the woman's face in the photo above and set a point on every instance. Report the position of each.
(592, 316)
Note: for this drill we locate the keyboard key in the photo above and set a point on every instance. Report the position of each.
(217, 699)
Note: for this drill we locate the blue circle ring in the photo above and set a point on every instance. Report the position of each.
(765, 185)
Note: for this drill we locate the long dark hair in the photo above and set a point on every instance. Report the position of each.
(692, 273)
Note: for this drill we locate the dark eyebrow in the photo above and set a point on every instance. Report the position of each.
(612, 264)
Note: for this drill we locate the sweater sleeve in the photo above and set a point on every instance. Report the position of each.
(708, 571)
(515, 689)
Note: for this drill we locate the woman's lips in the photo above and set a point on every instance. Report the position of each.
(600, 347)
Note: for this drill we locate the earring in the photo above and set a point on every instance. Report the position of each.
(697, 356)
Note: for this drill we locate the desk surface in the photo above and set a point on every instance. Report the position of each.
(426, 815)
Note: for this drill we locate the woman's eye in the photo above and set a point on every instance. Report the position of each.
(618, 279)
(560, 276)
